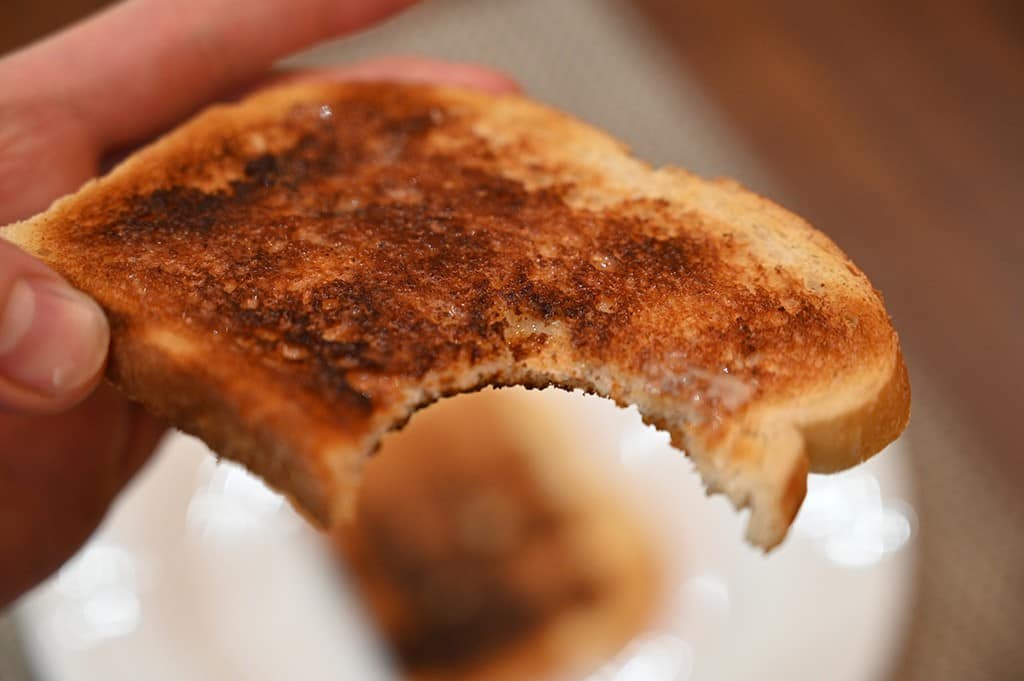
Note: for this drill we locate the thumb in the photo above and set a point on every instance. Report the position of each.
(53, 338)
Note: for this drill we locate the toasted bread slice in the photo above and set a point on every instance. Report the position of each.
(292, 276)
(487, 547)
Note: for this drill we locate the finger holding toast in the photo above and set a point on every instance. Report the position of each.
(66, 103)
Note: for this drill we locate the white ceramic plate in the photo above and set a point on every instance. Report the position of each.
(202, 574)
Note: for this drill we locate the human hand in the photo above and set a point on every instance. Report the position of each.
(66, 103)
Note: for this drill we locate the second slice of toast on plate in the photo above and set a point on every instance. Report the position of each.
(487, 547)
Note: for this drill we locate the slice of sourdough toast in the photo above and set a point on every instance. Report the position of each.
(292, 276)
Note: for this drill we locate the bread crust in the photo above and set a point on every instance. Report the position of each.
(292, 276)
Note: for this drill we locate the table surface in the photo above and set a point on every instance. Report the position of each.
(897, 128)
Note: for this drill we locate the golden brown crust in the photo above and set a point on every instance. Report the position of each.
(317, 262)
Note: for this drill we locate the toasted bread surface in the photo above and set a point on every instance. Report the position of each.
(292, 276)
(488, 548)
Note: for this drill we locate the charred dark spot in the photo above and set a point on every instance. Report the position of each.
(168, 210)
(261, 169)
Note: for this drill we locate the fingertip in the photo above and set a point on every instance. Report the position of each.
(53, 345)
(409, 69)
